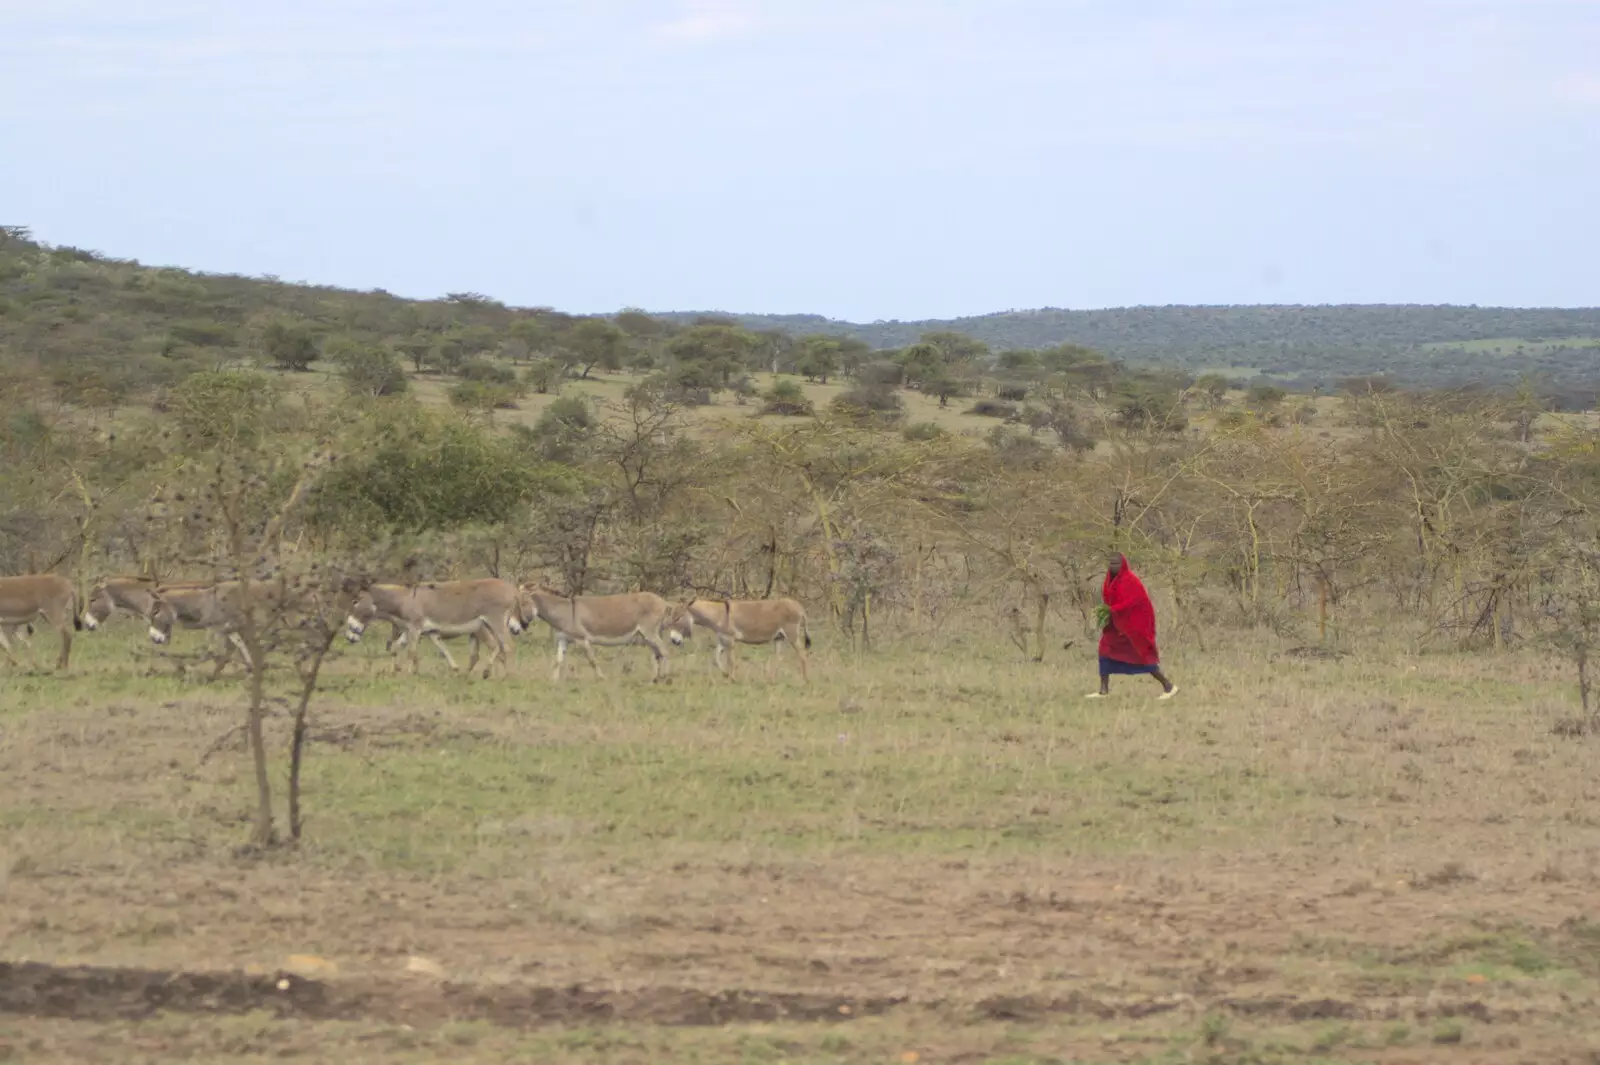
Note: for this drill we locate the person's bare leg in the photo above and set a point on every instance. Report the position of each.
(1168, 689)
(1105, 688)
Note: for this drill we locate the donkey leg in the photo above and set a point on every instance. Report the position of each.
(497, 650)
(658, 657)
(588, 652)
(5, 645)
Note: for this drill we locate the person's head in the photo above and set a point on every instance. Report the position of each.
(1114, 563)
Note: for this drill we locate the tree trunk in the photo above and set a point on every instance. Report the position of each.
(866, 621)
(916, 594)
(297, 745)
(308, 687)
(1038, 625)
(772, 561)
(1584, 686)
(1322, 609)
(265, 834)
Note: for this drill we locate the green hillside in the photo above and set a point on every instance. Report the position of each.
(97, 329)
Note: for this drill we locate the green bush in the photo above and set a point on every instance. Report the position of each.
(486, 371)
(787, 398)
(215, 407)
(869, 403)
(413, 470)
(564, 430)
(290, 346)
(369, 370)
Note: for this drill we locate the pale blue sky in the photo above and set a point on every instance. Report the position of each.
(856, 158)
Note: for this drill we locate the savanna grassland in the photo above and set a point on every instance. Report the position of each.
(937, 850)
(1365, 830)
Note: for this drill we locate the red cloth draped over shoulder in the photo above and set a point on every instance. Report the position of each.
(1131, 635)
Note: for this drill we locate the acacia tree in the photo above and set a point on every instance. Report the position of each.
(718, 349)
(1025, 556)
(1572, 617)
(1459, 480)
(848, 478)
(594, 342)
(283, 605)
(819, 359)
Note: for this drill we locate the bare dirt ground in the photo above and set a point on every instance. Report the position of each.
(922, 862)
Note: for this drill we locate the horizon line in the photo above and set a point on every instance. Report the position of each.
(32, 237)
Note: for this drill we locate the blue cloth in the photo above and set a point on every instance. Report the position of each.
(1110, 667)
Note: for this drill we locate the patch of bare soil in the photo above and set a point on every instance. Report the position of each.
(100, 993)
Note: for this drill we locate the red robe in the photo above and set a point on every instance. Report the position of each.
(1131, 635)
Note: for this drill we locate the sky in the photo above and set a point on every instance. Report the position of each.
(861, 159)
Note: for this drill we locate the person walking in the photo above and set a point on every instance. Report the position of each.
(1128, 630)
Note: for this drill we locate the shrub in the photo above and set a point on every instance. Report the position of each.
(920, 431)
(486, 371)
(1143, 405)
(684, 384)
(215, 407)
(695, 376)
(1232, 419)
(203, 334)
(944, 384)
(483, 396)
(371, 371)
(290, 346)
(787, 398)
(563, 430)
(881, 372)
(416, 470)
(542, 375)
(1018, 449)
(1262, 396)
(869, 403)
(993, 408)
(1060, 419)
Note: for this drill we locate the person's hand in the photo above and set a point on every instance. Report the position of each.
(1102, 615)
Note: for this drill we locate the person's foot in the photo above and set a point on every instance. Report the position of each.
(1169, 693)
(1097, 695)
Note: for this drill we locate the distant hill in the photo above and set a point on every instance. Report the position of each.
(1413, 343)
(92, 323)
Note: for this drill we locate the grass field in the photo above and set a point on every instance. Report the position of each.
(936, 854)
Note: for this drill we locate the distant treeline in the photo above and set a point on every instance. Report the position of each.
(1307, 346)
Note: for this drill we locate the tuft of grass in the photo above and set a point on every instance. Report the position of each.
(1331, 1039)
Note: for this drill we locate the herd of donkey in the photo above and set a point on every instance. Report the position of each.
(488, 611)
